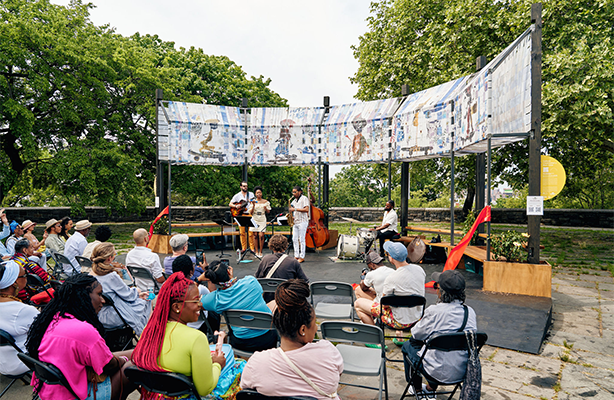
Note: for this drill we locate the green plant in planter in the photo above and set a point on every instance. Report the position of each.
(509, 245)
(161, 226)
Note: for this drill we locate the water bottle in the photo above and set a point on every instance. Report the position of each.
(150, 294)
(238, 254)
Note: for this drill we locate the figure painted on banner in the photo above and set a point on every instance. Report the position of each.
(282, 151)
(259, 208)
(359, 143)
(388, 228)
(205, 143)
(299, 207)
(202, 148)
(238, 206)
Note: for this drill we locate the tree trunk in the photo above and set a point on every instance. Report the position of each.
(468, 200)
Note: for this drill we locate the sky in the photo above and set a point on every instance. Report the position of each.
(303, 46)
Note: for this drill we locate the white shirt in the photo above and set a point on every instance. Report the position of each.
(74, 247)
(299, 216)
(87, 252)
(375, 279)
(390, 217)
(142, 256)
(406, 280)
(240, 197)
(16, 320)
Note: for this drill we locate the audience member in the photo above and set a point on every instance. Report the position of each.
(102, 234)
(179, 244)
(279, 265)
(407, 279)
(15, 236)
(23, 250)
(37, 256)
(167, 344)
(68, 334)
(76, 244)
(6, 231)
(272, 372)
(67, 225)
(372, 280)
(450, 314)
(53, 227)
(142, 256)
(15, 317)
(130, 302)
(238, 294)
(183, 263)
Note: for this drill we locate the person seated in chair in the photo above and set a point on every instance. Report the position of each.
(102, 234)
(142, 256)
(372, 279)
(270, 373)
(130, 302)
(179, 244)
(238, 294)
(23, 249)
(450, 314)
(54, 242)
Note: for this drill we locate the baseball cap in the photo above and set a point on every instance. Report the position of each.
(396, 250)
(373, 257)
(450, 280)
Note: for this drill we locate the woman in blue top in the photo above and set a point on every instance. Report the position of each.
(230, 293)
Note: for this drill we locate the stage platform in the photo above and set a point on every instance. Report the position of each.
(513, 322)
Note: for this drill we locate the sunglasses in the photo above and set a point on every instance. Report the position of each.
(22, 276)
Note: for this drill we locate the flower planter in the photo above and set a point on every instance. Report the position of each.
(160, 244)
(518, 278)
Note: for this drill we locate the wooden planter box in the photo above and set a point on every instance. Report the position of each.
(160, 244)
(518, 278)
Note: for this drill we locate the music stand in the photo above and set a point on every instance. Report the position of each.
(245, 222)
(221, 223)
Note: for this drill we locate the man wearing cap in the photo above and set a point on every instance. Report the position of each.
(450, 314)
(15, 237)
(75, 245)
(179, 244)
(388, 228)
(142, 256)
(6, 231)
(372, 282)
(405, 280)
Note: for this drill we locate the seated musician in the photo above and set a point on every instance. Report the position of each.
(388, 228)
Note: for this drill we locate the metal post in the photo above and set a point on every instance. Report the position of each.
(325, 167)
(480, 167)
(536, 130)
(488, 189)
(169, 197)
(244, 106)
(390, 161)
(159, 189)
(404, 196)
(452, 176)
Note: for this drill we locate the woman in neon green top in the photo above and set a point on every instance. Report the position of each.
(167, 344)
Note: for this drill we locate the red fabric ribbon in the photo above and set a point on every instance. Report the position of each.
(151, 228)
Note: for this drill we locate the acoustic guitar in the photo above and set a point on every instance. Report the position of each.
(242, 209)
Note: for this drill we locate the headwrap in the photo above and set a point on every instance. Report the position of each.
(11, 272)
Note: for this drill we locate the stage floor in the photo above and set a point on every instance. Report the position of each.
(511, 321)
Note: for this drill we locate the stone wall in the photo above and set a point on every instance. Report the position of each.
(554, 217)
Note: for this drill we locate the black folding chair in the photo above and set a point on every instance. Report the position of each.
(84, 262)
(35, 281)
(46, 372)
(169, 384)
(62, 265)
(249, 394)
(6, 339)
(454, 341)
(144, 274)
(122, 337)
(392, 300)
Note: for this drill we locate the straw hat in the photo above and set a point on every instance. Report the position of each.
(27, 223)
(50, 223)
(82, 225)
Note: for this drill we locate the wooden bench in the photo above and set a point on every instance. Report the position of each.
(432, 230)
(194, 225)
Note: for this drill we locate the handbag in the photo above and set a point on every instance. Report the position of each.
(305, 378)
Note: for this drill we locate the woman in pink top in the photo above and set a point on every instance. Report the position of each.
(273, 372)
(68, 334)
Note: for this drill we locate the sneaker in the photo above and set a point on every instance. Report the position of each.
(427, 394)
(399, 341)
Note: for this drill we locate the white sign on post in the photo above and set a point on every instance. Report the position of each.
(157, 202)
(535, 205)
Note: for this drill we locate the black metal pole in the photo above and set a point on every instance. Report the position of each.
(536, 131)
(404, 196)
(159, 189)
(390, 162)
(480, 165)
(244, 106)
(452, 177)
(169, 198)
(325, 167)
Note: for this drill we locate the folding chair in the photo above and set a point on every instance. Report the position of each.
(63, 266)
(333, 310)
(84, 262)
(145, 275)
(122, 337)
(249, 394)
(359, 360)
(48, 373)
(6, 339)
(170, 384)
(248, 319)
(34, 280)
(269, 285)
(454, 341)
(392, 300)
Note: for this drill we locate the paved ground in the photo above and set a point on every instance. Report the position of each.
(577, 359)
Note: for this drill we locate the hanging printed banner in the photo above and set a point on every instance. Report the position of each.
(205, 134)
(422, 123)
(358, 132)
(470, 117)
(283, 135)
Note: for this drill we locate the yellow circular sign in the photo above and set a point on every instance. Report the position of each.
(553, 177)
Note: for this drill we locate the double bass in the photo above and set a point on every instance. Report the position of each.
(317, 234)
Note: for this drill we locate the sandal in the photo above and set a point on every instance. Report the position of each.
(399, 341)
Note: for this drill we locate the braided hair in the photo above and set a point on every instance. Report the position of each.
(73, 298)
(147, 350)
(293, 310)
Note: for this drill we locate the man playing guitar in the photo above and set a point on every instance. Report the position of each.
(238, 206)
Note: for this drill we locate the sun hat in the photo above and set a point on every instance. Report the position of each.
(398, 251)
(450, 280)
(50, 223)
(82, 225)
(27, 223)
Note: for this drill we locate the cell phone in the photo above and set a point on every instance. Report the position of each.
(199, 256)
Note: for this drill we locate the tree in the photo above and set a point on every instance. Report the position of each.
(427, 43)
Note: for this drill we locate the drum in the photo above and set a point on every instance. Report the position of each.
(347, 247)
(365, 235)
